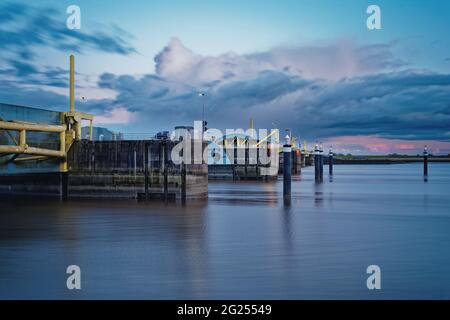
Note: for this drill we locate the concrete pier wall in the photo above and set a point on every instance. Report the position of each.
(243, 162)
(112, 169)
(237, 172)
(31, 184)
(117, 169)
(96, 169)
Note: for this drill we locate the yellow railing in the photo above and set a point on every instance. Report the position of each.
(69, 130)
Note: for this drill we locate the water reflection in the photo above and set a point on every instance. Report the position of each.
(318, 194)
(244, 242)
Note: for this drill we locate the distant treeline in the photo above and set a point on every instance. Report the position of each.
(384, 159)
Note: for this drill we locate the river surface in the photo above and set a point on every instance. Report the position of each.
(243, 243)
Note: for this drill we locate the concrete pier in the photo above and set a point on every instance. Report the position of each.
(114, 169)
(248, 160)
(50, 157)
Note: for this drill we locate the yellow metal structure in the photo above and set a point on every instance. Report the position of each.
(73, 119)
(69, 131)
(305, 148)
(72, 84)
(267, 137)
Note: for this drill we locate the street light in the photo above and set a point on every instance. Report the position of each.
(203, 94)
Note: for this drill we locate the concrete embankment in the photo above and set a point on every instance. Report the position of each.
(114, 169)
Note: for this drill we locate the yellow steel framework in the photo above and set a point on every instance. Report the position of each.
(69, 131)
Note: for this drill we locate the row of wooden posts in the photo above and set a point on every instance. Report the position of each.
(165, 173)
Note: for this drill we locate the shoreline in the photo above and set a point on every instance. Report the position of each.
(385, 160)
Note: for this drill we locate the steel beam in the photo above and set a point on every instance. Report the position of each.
(16, 126)
(32, 151)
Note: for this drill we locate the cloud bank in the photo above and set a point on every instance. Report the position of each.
(26, 31)
(294, 89)
(335, 89)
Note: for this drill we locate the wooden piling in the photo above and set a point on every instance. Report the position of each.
(166, 184)
(330, 162)
(246, 156)
(235, 158)
(257, 158)
(425, 162)
(316, 163)
(287, 171)
(321, 163)
(183, 182)
(146, 160)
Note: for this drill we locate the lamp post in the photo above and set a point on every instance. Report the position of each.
(202, 95)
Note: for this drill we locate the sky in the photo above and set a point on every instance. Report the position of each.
(311, 66)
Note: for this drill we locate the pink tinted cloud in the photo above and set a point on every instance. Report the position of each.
(377, 145)
(117, 115)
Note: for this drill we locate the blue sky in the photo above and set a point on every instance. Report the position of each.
(312, 66)
(215, 27)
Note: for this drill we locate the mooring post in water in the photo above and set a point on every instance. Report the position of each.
(165, 173)
(246, 156)
(321, 162)
(303, 156)
(166, 184)
(183, 182)
(330, 161)
(235, 145)
(316, 163)
(224, 147)
(257, 158)
(294, 162)
(287, 169)
(146, 169)
(425, 161)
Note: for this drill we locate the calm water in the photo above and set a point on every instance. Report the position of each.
(242, 242)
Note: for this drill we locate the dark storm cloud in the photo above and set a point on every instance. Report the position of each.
(318, 91)
(24, 29)
(13, 93)
(47, 27)
(408, 105)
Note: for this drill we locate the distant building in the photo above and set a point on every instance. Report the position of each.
(101, 134)
(162, 135)
(183, 132)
